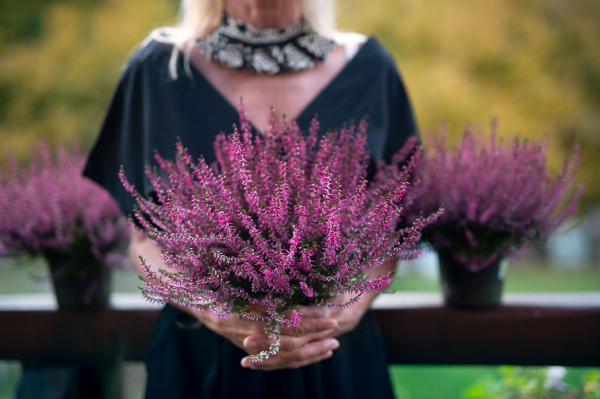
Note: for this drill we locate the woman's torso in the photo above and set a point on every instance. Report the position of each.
(289, 92)
(149, 111)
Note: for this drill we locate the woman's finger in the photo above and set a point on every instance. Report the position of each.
(310, 325)
(307, 311)
(302, 364)
(288, 343)
(309, 353)
(314, 311)
(300, 356)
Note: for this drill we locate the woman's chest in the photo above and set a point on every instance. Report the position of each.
(289, 92)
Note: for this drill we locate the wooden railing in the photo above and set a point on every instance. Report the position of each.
(528, 329)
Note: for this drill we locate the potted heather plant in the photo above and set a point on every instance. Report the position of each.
(48, 208)
(279, 220)
(498, 197)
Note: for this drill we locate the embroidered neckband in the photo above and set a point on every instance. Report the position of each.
(237, 44)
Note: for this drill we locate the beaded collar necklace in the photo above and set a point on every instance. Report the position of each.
(237, 44)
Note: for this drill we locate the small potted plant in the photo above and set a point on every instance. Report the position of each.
(48, 208)
(498, 197)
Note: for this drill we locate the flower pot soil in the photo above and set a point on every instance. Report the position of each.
(79, 291)
(463, 288)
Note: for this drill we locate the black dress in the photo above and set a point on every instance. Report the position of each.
(148, 111)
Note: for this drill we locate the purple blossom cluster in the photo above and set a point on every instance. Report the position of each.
(47, 206)
(279, 220)
(498, 196)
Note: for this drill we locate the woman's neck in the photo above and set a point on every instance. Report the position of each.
(265, 13)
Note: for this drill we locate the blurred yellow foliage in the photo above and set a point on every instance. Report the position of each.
(60, 83)
(533, 64)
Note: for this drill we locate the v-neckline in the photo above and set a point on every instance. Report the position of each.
(315, 99)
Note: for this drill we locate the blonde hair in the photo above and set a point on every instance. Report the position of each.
(196, 17)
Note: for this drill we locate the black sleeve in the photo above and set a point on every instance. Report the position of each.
(400, 119)
(142, 116)
(148, 113)
(120, 139)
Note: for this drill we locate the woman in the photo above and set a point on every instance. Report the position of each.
(185, 81)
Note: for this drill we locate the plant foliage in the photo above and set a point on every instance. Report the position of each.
(48, 206)
(499, 196)
(279, 220)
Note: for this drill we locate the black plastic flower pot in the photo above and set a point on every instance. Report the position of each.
(79, 290)
(465, 289)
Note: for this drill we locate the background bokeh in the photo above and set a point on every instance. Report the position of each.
(532, 64)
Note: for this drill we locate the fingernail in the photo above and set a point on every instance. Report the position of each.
(250, 344)
(334, 345)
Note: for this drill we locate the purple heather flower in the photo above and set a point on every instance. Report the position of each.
(498, 196)
(48, 206)
(279, 220)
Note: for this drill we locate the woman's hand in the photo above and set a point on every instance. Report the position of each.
(311, 341)
(346, 320)
(315, 325)
(302, 345)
